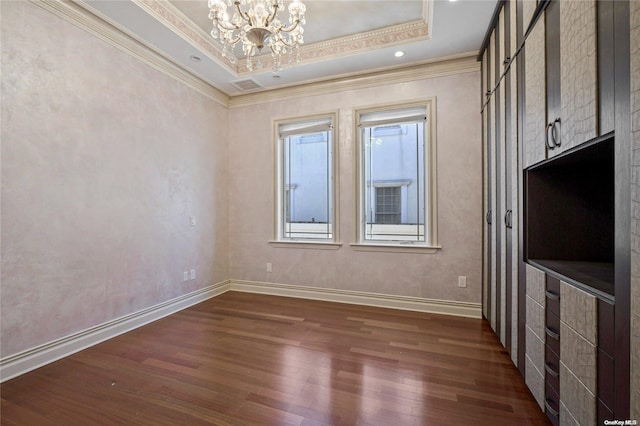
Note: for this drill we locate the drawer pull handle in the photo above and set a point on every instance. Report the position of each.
(552, 334)
(553, 412)
(550, 370)
(551, 295)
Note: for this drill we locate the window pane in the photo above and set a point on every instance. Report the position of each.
(394, 184)
(306, 192)
(388, 205)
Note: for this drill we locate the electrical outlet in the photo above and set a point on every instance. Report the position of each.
(269, 267)
(193, 274)
(462, 281)
(192, 221)
(185, 276)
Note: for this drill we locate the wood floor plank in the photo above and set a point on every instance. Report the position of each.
(248, 359)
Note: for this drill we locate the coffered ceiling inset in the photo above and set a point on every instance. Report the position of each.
(174, 16)
(167, 14)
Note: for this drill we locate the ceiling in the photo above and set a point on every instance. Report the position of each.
(342, 37)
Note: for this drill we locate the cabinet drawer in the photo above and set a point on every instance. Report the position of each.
(605, 378)
(552, 405)
(604, 413)
(552, 370)
(606, 329)
(553, 295)
(553, 339)
(552, 321)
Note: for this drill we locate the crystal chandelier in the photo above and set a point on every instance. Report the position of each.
(255, 23)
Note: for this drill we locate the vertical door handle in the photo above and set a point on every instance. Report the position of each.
(506, 219)
(555, 133)
(488, 217)
(547, 140)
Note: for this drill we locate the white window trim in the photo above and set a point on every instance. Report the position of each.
(278, 239)
(431, 211)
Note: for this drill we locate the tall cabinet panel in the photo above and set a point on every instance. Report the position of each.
(486, 239)
(512, 182)
(535, 88)
(578, 73)
(500, 189)
(500, 123)
(635, 204)
(493, 199)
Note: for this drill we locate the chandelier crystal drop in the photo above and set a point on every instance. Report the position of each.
(256, 24)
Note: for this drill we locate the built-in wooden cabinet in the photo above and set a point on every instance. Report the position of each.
(561, 78)
(569, 349)
(499, 118)
(556, 129)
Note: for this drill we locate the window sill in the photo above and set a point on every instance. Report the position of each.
(306, 244)
(396, 248)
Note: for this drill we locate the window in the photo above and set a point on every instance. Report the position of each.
(388, 205)
(396, 175)
(305, 170)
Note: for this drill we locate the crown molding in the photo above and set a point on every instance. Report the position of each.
(83, 16)
(449, 66)
(171, 17)
(352, 44)
(183, 27)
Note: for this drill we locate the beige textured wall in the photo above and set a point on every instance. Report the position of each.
(251, 189)
(635, 209)
(104, 159)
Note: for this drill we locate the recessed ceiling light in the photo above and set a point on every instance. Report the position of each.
(399, 54)
(195, 58)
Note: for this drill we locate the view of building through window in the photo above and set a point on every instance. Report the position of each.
(392, 182)
(393, 201)
(306, 179)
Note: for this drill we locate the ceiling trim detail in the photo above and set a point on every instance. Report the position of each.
(353, 44)
(176, 21)
(168, 15)
(440, 68)
(84, 17)
(80, 14)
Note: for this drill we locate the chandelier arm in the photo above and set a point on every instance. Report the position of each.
(234, 42)
(283, 41)
(291, 28)
(226, 25)
(243, 14)
(273, 15)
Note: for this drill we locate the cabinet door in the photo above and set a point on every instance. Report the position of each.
(578, 73)
(487, 195)
(511, 183)
(494, 214)
(535, 91)
(501, 303)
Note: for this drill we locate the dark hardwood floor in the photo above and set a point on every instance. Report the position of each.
(247, 359)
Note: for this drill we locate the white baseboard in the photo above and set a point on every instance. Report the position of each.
(446, 307)
(31, 359)
(39, 356)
